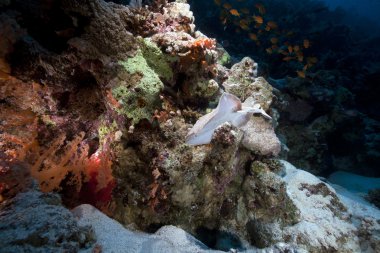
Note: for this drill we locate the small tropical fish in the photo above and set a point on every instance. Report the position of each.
(260, 8)
(244, 11)
(269, 50)
(235, 13)
(227, 6)
(312, 60)
(301, 74)
(306, 43)
(217, 2)
(300, 57)
(288, 58)
(244, 27)
(274, 40)
(290, 49)
(283, 52)
(244, 24)
(290, 33)
(274, 47)
(258, 19)
(253, 36)
(272, 24)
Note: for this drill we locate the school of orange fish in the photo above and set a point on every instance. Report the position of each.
(258, 28)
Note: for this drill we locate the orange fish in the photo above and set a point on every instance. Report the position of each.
(244, 10)
(306, 43)
(217, 2)
(244, 27)
(267, 28)
(288, 58)
(234, 12)
(253, 36)
(290, 49)
(244, 24)
(258, 19)
(260, 8)
(274, 40)
(272, 24)
(227, 6)
(290, 33)
(312, 60)
(301, 74)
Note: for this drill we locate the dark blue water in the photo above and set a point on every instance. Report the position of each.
(365, 8)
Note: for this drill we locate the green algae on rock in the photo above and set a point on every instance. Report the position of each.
(241, 77)
(156, 59)
(139, 95)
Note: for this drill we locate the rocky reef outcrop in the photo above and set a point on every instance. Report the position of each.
(97, 107)
(37, 222)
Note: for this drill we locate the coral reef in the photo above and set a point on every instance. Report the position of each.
(97, 108)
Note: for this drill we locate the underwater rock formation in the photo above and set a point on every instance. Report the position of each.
(101, 114)
(337, 138)
(37, 222)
